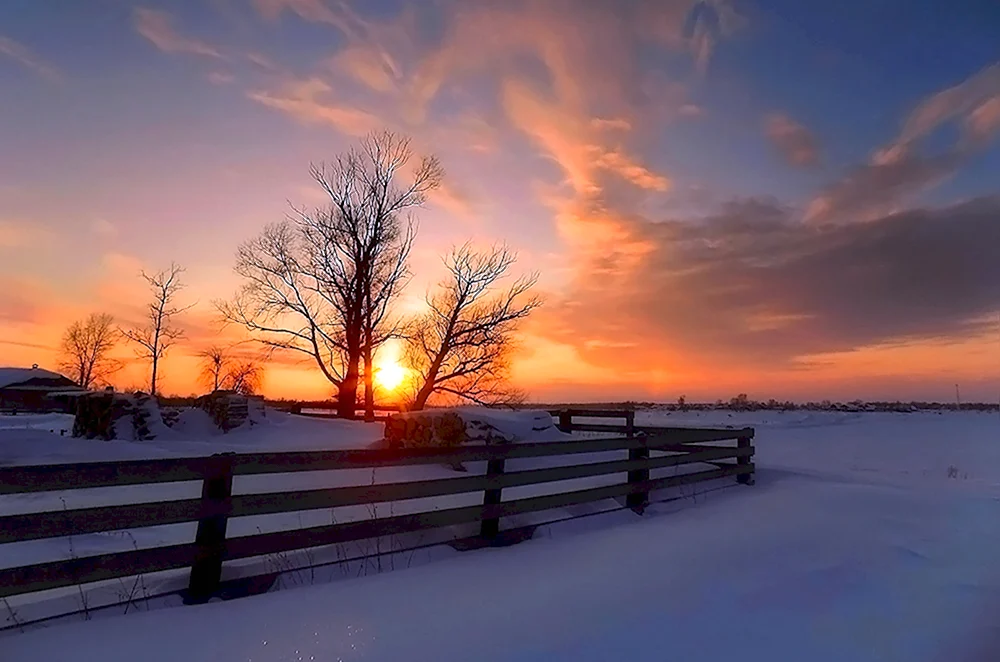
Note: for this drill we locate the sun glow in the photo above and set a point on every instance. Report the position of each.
(390, 373)
(390, 376)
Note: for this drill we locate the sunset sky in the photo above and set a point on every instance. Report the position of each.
(787, 198)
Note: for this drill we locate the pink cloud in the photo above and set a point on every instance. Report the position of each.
(983, 123)
(307, 101)
(796, 143)
(158, 27)
(23, 55)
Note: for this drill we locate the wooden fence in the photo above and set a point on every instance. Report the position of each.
(212, 548)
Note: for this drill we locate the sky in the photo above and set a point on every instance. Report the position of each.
(788, 199)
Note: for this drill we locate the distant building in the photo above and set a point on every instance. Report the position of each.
(33, 389)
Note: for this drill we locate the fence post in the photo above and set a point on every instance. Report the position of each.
(216, 498)
(637, 501)
(490, 527)
(744, 479)
(565, 420)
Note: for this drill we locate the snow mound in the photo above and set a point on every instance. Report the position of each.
(10, 376)
(482, 424)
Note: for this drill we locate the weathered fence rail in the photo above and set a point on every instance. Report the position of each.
(646, 449)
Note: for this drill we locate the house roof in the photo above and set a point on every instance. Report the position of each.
(12, 376)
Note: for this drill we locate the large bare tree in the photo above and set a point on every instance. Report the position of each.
(154, 337)
(86, 348)
(461, 347)
(322, 282)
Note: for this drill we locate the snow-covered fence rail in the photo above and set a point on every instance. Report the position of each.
(211, 548)
(567, 424)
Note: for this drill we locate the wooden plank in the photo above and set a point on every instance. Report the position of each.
(53, 524)
(598, 427)
(283, 541)
(48, 477)
(594, 413)
(680, 435)
(57, 574)
(265, 463)
(78, 475)
(40, 478)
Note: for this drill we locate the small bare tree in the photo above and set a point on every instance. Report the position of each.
(221, 368)
(322, 282)
(245, 377)
(158, 334)
(85, 350)
(462, 345)
(213, 366)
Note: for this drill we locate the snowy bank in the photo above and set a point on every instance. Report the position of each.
(867, 537)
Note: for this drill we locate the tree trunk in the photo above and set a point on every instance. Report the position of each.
(347, 394)
(420, 401)
(152, 381)
(369, 384)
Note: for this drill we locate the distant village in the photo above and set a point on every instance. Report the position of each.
(743, 403)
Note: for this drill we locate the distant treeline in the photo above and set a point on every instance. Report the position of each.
(739, 403)
(742, 403)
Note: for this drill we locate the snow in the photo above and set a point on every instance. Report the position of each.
(868, 536)
(10, 376)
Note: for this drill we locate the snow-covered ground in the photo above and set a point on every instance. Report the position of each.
(867, 537)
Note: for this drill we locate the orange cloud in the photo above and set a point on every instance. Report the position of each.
(23, 55)
(611, 124)
(456, 201)
(158, 27)
(315, 11)
(368, 66)
(572, 141)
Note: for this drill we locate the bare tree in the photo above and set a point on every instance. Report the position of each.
(221, 368)
(322, 282)
(245, 376)
(214, 361)
(85, 350)
(462, 345)
(158, 334)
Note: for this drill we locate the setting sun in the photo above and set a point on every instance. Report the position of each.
(390, 375)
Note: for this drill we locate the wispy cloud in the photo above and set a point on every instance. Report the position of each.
(23, 55)
(902, 169)
(308, 101)
(158, 27)
(794, 142)
(454, 200)
(220, 78)
(264, 62)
